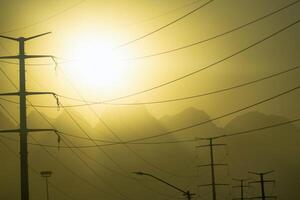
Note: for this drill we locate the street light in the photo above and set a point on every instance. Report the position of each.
(46, 175)
(188, 194)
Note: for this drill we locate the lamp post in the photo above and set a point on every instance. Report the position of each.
(46, 175)
(187, 193)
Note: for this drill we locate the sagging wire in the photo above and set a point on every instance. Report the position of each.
(58, 138)
(57, 101)
(55, 63)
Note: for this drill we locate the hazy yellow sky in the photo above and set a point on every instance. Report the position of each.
(86, 38)
(80, 32)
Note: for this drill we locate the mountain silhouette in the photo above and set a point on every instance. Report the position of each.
(110, 167)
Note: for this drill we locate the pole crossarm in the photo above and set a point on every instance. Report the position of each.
(36, 36)
(9, 57)
(29, 130)
(239, 186)
(10, 131)
(33, 93)
(24, 39)
(236, 179)
(210, 184)
(35, 130)
(265, 181)
(10, 94)
(208, 138)
(40, 93)
(266, 197)
(264, 173)
(200, 146)
(215, 164)
(39, 56)
(9, 38)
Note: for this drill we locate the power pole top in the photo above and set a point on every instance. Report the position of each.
(262, 182)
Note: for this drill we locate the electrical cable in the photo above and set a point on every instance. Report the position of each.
(112, 132)
(200, 123)
(164, 26)
(215, 36)
(94, 186)
(97, 162)
(215, 118)
(207, 66)
(137, 141)
(167, 100)
(189, 140)
(196, 43)
(193, 96)
(43, 20)
(163, 14)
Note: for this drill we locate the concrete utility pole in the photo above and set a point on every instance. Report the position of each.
(262, 182)
(212, 165)
(22, 93)
(241, 186)
(46, 175)
(188, 194)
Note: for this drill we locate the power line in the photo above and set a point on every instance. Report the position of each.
(164, 26)
(207, 66)
(163, 14)
(61, 163)
(215, 118)
(43, 20)
(87, 103)
(97, 162)
(135, 153)
(178, 141)
(98, 175)
(136, 141)
(214, 37)
(112, 132)
(210, 65)
(67, 145)
(195, 43)
(188, 97)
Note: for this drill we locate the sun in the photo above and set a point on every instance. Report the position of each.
(94, 63)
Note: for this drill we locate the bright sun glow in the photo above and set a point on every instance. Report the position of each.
(95, 64)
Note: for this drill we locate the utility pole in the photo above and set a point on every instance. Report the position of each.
(262, 182)
(188, 194)
(22, 93)
(46, 175)
(241, 186)
(212, 166)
